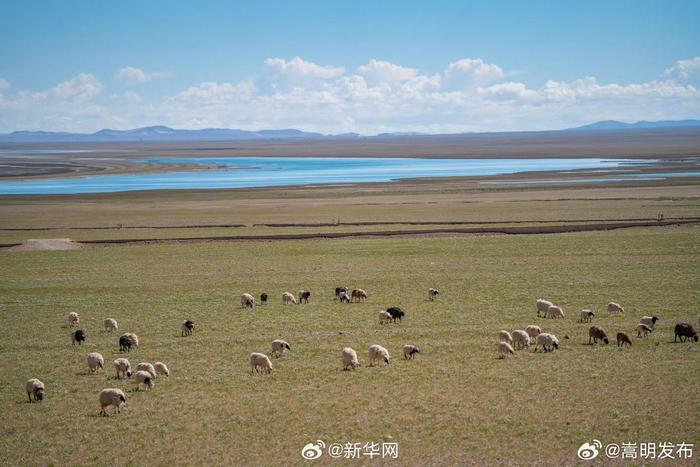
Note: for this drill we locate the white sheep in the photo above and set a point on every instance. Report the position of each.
(247, 300)
(542, 306)
(555, 312)
(504, 336)
(161, 369)
(615, 308)
(649, 321)
(505, 349)
(73, 318)
(520, 339)
(288, 298)
(378, 353)
(145, 366)
(260, 363)
(385, 317)
(549, 342)
(95, 361)
(122, 365)
(586, 316)
(279, 346)
(533, 331)
(145, 378)
(111, 396)
(111, 325)
(349, 357)
(410, 351)
(35, 389)
(643, 330)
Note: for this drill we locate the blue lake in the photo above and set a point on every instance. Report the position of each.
(247, 172)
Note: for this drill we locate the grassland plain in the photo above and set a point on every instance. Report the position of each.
(455, 403)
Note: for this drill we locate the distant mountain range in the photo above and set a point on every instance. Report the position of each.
(162, 133)
(643, 125)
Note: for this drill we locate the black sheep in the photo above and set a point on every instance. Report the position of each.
(685, 331)
(78, 336)
(124, 344)
(263, 298)
(396, 313)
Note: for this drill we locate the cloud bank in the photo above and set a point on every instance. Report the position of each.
(469, 94)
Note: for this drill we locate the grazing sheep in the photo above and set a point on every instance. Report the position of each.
(555, 312)
(247, 300)
(186, 328)
(549, 342)
(533, 331)
(304, 296)
(396, 313)
(35, 389)
(643, 330)
(586, 316)
(73, 318)
(122, 365)
(288, 298)
(260, 363)
(615, 308)
(377, 352)
(279, 346)
(344, 297)
(542, 306)
(409, 351)
(358, 295)
(649, 321)
(78, 336)
(263, 298)
(111, 396)
(145, 378)
(504, 336)
(685, 332)
(145, 366)
(128, 340)
(432, 294)
(596, 333)
(111, 325)
(623, 338)
(521, 339)
(505, 349)
(384, 317)
(339, 290)
(349, 357)
(161, 369)
(95, 361)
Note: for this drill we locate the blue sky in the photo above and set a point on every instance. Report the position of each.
(201, 64)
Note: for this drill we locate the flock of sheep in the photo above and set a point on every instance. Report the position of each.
(146, 373)
(519, 339)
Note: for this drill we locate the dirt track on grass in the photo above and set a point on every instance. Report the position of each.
(517, 230)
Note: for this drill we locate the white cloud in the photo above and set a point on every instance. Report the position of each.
(4, 84)
(469, 95)
(381, 71)
(683, 68)
(132, 75)
(299, 68)
(214, 93)
(470, 71)
(82, 88)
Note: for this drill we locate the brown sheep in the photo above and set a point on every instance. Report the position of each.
(595, 333)
(623, 338)
(358, 295)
